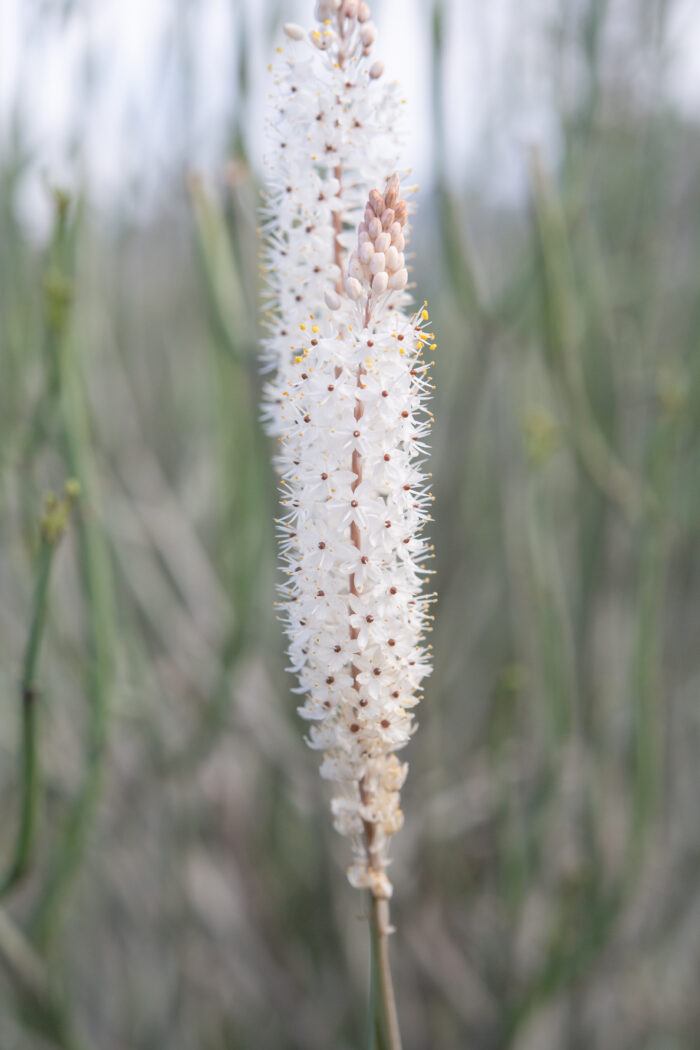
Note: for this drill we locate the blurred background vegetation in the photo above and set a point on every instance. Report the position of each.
(169, 874)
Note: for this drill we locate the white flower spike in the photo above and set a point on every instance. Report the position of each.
(347, 403)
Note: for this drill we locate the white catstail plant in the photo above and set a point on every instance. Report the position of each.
(346, 402)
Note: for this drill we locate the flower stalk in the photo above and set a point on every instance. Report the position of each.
(347, 403)
(385, 1016)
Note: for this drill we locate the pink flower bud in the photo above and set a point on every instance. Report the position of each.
(368, 34)
(353, 288)
(375, 228)
(377, 263)
(391, 193)
(398, 280)
(366, 251)
(377, 201)
(380, 282)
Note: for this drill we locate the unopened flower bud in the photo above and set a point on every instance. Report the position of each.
(353, 288)
(332, 299)
(376, 70)
(375, 228)
(355, 266)
(363, 12)
(380, 283)
(392, 258)
(377, 201)
(398, 281)
(393, 188)
(377, 263)
(293, 31)
(382, 242)
(366, 251)
(368, 34)
(401, 213)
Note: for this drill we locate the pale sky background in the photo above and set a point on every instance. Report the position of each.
(104, 73)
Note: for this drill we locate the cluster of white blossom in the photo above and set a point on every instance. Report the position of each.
(347, 403)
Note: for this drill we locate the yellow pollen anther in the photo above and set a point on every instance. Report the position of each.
(425, 315)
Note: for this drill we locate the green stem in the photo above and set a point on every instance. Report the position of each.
(371, 1036)
(385, 1015)
(95, 572)
(648, 728)
(29, 779)
(563, 335)
(32, 980)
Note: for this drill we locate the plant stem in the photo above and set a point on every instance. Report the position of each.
(386, 1017)
(32, 980)
(563, 337)
(29, 790)
(371, 1031)
(95, 573)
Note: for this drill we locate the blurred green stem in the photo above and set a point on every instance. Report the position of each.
(29, 780)
(53, 525)
(612, 478)
(551, 615)
(30, 975)
(243, 493)
(222, 284)
(648, 729)
(95, 576)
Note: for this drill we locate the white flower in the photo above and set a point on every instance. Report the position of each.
(347, 404)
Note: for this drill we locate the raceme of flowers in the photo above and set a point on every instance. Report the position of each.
(347, 404)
